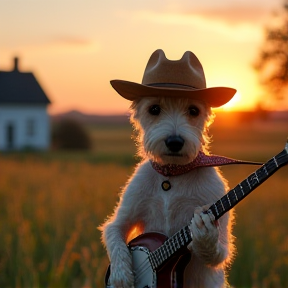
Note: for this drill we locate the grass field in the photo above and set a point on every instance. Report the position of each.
(51, 204)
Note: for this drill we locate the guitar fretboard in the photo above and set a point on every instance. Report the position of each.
(237, 194)
(173, 244)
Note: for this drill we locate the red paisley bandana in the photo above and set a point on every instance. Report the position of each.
(202, 160)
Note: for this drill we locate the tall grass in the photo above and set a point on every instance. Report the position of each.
(51, 205)
(49, 213)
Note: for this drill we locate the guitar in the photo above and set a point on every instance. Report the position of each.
(159, 261)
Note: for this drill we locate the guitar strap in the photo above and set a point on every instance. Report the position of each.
(202, 160)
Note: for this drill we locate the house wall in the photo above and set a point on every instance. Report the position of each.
(24, 127)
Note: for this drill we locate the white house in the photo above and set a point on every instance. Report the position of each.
(24, 122)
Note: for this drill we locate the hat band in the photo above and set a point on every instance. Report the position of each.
(172, 85)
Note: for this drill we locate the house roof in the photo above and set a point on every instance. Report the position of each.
(20, 88)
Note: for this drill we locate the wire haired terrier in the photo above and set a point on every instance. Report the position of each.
(171, 187)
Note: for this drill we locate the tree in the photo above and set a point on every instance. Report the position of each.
(272, 64)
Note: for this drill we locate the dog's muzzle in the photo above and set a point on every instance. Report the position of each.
(174, 143)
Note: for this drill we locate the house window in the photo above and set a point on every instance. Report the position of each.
(30, 127)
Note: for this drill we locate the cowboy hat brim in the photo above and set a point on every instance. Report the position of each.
(214, 96)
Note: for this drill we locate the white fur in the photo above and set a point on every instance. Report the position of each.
(145, 207)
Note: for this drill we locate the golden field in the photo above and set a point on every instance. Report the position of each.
(52, 203)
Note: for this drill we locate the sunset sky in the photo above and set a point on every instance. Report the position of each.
(75, 47)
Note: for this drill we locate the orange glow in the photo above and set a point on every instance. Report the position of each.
(134, 232)
(75, 66)
(232, 104)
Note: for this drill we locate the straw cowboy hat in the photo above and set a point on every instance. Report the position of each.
(180, 78)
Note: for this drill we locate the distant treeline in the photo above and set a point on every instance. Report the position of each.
(241, 116)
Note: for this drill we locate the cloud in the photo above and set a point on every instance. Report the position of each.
(56, 44)
(239, 31)
(233, 12)
(70, 44)
(71, 40)
(233, 15)
(50, 42)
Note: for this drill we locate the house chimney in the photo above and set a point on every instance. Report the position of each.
(16, 63)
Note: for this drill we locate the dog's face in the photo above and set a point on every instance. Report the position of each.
(171, 131)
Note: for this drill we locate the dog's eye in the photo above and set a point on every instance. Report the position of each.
(154, 110)
(194, 111)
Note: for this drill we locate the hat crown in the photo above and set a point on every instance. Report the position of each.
(187, 71)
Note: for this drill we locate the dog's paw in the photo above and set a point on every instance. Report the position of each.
(205, 236)
(121, 269)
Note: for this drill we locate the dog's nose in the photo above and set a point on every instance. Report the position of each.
(174, 143)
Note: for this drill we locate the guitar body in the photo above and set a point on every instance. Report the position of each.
(168, 275)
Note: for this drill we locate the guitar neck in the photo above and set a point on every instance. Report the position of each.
(183, 237)
(172, 245)
(243, 189)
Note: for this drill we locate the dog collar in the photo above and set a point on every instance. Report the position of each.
(202, 160)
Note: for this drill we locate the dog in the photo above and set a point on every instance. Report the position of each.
(171, 119)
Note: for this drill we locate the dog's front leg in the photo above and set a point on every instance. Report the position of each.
(120, 257)
(205, 234)
(115, 232)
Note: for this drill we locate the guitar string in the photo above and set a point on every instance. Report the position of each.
(161, 254)
(143, 267)
(142, 264)
(143, 270)
(147, 263)
(168, 248)
(230, 199)
(158, 250)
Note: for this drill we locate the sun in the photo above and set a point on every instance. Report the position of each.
(233, 103)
